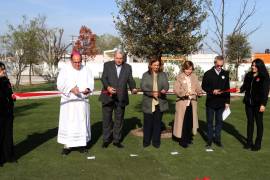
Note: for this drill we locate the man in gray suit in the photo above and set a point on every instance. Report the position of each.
(114, 97)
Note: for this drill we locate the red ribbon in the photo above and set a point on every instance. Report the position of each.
(34, 94)
(47, 93)
(232, 90)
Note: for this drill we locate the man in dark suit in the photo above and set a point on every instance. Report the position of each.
(215, 83)
(114, 97)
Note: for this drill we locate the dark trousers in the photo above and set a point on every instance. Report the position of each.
(112, 128)
(253, 114)
(187, 125)
(214, 132)
(6, 139)
(152, 128)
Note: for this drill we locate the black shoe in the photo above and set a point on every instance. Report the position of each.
(156, 145)
(183, 144)
(12, 160)
(209, 143)
(146, 145)
(105, 144)
(219, 144)
(247, 146)
(83, 150)
(255, 148)
(208, 148)
(190, 142)
(66, 151)
(118, 145)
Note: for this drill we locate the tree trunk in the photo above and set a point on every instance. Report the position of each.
(18, 76)
(30, 74)
(236, 69)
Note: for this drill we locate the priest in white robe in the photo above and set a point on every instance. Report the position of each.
(76, 83)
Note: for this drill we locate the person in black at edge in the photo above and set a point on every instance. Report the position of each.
(215, 81)
(256, 88)
(6, 118)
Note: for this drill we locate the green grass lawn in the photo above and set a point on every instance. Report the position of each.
(35, 131)
(35, 87)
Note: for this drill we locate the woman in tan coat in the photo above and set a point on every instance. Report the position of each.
(187, 89)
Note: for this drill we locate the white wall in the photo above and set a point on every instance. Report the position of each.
(205, 61)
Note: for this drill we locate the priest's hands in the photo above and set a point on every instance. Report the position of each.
(75, 90)
(86, 91)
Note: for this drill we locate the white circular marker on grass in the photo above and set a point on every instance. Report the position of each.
(91, 157)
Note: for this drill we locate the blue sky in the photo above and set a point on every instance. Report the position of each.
(97, 14)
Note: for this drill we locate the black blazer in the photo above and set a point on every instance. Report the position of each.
(256, 89)
(213, 81)
(6, 100)
(109, 78)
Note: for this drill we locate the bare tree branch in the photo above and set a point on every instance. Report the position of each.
(219, 22)
(244, 16)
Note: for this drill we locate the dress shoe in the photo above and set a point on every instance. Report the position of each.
(209, 143)
(66, 151)
(156, 145)
(118, 145)
(247, 146)
(219, 144)
(83, 150)
(208, 148)
(255, 148)
(183, 144)
(105, 144)
(146, 145)
(190, 141)
(12, 160)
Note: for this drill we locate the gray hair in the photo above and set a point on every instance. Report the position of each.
(120, 51)
(219, 57)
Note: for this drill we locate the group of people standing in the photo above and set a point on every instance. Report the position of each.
(75, 83)
(117, 79)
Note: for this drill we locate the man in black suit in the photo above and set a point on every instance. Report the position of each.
(114, 97)
(215, 83)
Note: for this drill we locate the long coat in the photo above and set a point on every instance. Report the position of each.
(109, 78)
(147, 87)
(212, 80)
(6, 121)
(180, 89)
(256, 89)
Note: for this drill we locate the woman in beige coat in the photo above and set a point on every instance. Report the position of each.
(187, 89)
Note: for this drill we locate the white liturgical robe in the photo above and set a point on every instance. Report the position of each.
(74, 119)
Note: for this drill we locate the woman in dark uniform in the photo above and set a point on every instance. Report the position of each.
(6, 118)
(256, 88)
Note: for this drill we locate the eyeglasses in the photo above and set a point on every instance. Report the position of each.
(219, 65)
